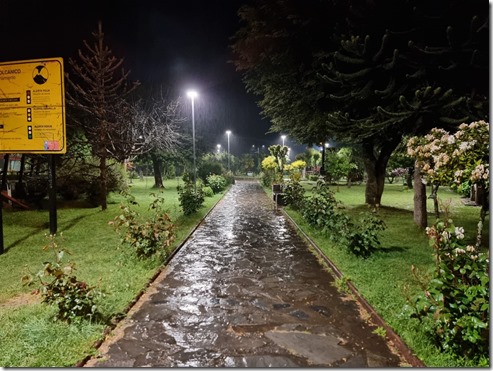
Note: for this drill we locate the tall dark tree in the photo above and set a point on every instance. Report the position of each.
(365, 72)
(98, 89)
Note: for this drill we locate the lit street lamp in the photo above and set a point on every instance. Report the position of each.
(283, 137)
(192, 95)
(228, 132)
(218, 148)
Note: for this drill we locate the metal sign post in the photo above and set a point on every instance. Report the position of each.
(2, 186)
(52, 193)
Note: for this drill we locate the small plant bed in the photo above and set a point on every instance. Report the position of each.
(105, 266)
(395, 274)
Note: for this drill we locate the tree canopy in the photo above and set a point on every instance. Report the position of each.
(365, 72)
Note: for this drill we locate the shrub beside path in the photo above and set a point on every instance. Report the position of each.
(245, 290)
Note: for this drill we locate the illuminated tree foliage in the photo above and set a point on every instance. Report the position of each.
(365, 72)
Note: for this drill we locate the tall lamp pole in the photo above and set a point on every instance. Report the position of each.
(283, 137)
(228, 132)
(192, 95)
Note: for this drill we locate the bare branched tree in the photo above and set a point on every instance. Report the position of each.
(157, 129)
(100, 89)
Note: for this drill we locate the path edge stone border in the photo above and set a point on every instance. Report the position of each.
(405, 351)
(97, 344)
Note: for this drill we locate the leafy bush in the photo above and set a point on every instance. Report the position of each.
(148, 238)
(319, 208)
(230, 178)
(79, 177)
(207, 191)
(217, 182)
(266, 178)
(209, 167)
(454, 305)
(294, 194)
(191, 198)
(464, 188)
(75, 299)
(362, 239)
(323, 211)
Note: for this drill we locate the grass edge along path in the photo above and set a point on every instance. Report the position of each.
(384, 280)
(29, 337)
(156, 274)
(396, 341)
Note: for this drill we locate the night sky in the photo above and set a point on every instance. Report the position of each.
(176, 44)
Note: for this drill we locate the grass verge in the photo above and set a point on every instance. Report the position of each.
(385, 279)
(29, 337)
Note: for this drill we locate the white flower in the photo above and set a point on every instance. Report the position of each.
(459, 233)
(470, 248)
(459, 251)
(445, 236)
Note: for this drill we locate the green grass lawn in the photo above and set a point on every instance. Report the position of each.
(29, 338)
(385, 279)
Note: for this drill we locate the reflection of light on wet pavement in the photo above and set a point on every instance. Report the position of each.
(245, 291)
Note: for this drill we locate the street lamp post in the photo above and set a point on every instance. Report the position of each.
(228, 132)
(283, 137)
(192, 95)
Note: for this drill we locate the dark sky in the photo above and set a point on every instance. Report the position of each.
(180, 44)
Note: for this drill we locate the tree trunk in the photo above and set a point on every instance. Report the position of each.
(434, 196)
(103, 182)
(485, 208)
(374, 184)
(375, 169)
(158, 172)
(409, 178)
(420, 213)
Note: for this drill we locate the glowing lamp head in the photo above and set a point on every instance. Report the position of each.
(192, 94)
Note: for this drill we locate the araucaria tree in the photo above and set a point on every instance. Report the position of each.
(99, 90)
(365, 73)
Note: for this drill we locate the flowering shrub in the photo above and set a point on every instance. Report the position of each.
(394, 173)
(295, 166)
(454, 305)
(270, 173)
(454, 158)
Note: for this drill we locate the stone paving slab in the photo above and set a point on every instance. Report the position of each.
(245, 291)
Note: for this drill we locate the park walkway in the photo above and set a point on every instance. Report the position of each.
(245, 291)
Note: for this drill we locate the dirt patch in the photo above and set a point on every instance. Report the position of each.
(20, 300)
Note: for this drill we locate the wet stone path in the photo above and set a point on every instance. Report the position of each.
(245, 291)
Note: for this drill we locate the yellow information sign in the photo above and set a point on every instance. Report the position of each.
(32, 107)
